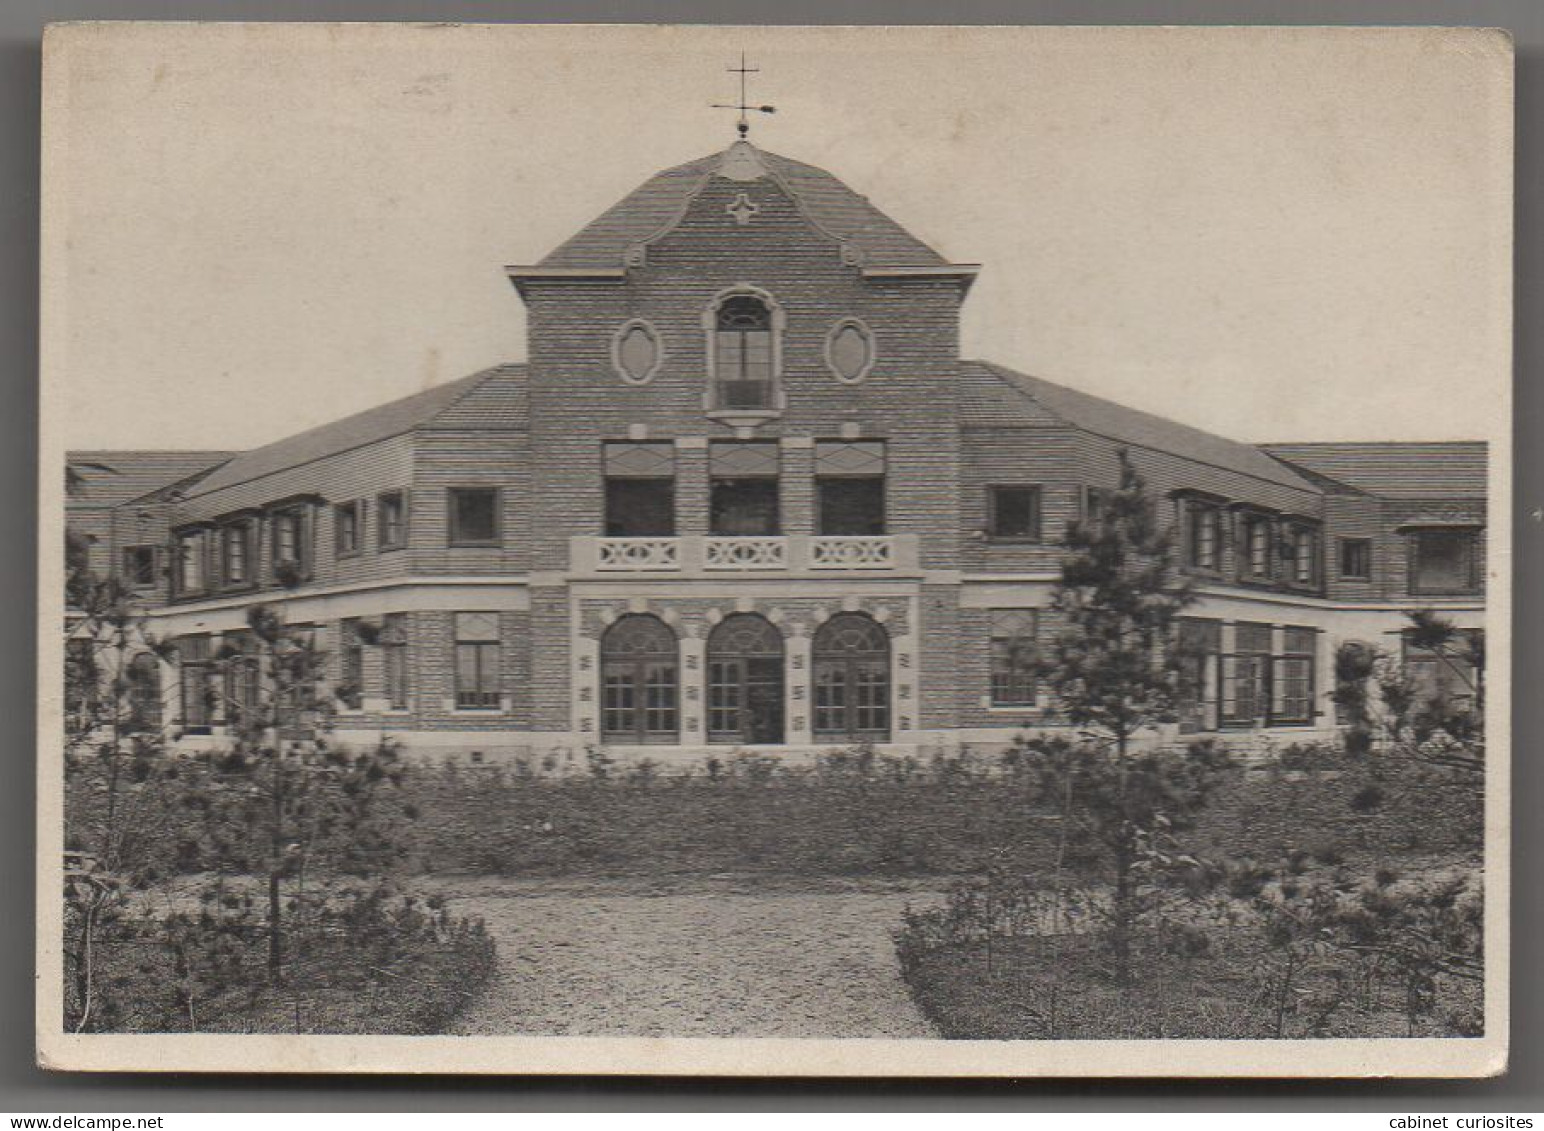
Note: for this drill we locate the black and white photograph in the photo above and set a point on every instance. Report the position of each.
(762, 551)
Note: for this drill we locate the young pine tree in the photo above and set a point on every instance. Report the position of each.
(1115, 670)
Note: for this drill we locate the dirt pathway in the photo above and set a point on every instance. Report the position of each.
(707, 962)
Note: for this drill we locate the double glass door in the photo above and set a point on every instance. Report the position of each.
(745, 700)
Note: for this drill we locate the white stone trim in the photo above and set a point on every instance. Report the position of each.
(869, 336)
(616, 350)
(420, 594)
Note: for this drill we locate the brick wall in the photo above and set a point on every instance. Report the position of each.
(578, 401)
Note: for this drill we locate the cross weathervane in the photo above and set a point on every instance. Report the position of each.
(742, 70)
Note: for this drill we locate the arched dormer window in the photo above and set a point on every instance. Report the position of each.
(745, 351)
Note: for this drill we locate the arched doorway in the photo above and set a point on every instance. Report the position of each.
(745, 681)
(640, 682)
(852, 679)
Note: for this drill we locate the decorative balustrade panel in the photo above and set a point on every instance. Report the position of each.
(628, 555)
(852, 552)
(746, 553)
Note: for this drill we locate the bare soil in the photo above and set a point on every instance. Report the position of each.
(702, 957)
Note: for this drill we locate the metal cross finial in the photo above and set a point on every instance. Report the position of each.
(742, 70)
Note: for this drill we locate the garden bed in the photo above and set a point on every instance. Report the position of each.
(1050, 988)
(360, 964)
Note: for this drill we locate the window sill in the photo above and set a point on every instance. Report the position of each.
(743, 417)
(494, 545)
(389, 549)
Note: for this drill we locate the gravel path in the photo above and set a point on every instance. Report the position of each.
(727, 960)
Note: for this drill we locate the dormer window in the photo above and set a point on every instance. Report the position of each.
(744, 327)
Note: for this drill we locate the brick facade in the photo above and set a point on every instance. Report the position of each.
(816, 257)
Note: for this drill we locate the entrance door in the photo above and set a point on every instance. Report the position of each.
(745, 682)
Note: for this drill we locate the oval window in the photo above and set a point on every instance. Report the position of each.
(636, 352)
(850, 351)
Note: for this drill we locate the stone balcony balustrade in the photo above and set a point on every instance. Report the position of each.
(822, 555)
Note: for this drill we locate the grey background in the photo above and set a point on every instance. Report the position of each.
(24, 1089)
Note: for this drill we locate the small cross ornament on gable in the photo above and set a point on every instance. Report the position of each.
(743, 209)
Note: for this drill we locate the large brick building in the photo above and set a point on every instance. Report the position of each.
(746, 492)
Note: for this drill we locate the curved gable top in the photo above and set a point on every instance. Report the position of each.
(656, 206)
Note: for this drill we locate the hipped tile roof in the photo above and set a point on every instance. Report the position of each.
(112, 477)
(658, 202)
(379, 423)
(1396, 469)
(1132, 426)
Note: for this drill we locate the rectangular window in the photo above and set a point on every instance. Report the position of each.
(1292, 680)
(391, 520)
(298, 665)
(346, 521)
(139, 567)
(82, 681)
(1013, 657)
(1246, 676)
(1200, 671)
(236, 553)
(1095, 499)
(351, 689)
(1013, 513)
(1255, 563)
(1356, 559)
(744, 496)
(1451, 676)
(1203, 527)
(474, 516)
(243, 691)
(194, 656)
(192, 549)
(640, 490)
(478, 680)
(850, 487)
(291, 554)
(1305, 555)
(1442, 561)
(394, 672)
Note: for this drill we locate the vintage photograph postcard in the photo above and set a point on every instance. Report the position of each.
(775, 551)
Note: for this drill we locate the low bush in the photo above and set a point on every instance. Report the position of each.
(1281, 956)
(357, 961)
(855, 812)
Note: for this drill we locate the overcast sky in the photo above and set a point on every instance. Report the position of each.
(1274, 235)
